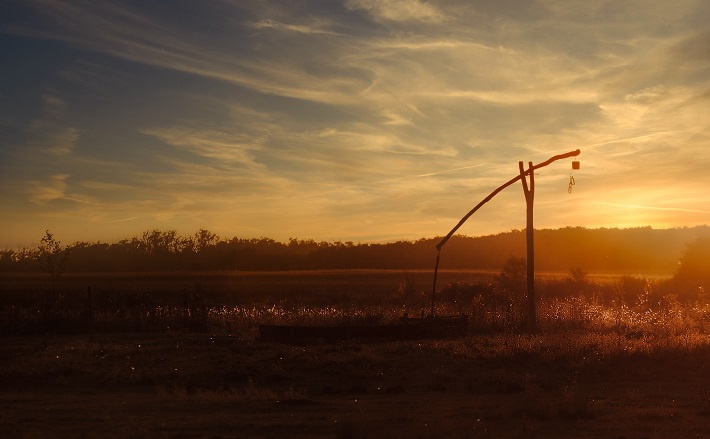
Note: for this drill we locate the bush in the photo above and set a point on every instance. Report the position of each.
(693, 274)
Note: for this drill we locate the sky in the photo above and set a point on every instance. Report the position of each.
(349, 120)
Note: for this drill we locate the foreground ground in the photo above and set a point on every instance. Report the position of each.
(202, 385)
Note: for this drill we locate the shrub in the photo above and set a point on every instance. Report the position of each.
(693, 274)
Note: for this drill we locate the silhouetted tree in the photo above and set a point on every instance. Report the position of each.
(204, 239)
(693, 274)
(578, 275)
(599, 249)
(52, 257)
(514, 275)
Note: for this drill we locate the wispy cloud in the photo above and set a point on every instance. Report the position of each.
(51, 133)
(228, 147)
(636, 206)
(398, 10)
(53, 188)
(298, 28)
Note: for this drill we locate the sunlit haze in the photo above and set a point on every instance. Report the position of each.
(351, 120)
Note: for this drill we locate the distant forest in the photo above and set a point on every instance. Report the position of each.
(604, 249)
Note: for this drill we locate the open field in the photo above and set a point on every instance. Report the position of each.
(205, 385)
(245, 286)
(166, 355)
(237, 302)
(248, 284)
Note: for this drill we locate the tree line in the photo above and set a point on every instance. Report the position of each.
(642, 249)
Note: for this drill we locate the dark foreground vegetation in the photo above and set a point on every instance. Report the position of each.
(570, 384)
(164, 355)
(178, 355)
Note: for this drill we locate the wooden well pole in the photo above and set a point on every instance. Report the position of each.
(529, 191)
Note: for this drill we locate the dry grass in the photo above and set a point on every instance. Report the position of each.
(498, 385)
(236, 303)
(167, 357)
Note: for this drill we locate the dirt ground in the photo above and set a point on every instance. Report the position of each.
(219, 386)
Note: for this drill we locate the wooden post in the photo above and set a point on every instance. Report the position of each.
(531, 317)
(433, 292)
(529, 191)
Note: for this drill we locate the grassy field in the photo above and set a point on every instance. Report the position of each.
(202, 385)
(224, 302)
(179, 356)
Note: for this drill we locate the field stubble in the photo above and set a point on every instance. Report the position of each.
(173, 356)
(206, 385)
